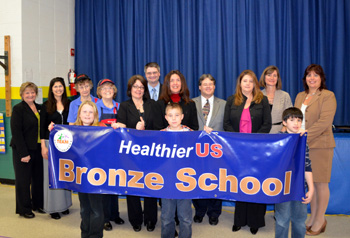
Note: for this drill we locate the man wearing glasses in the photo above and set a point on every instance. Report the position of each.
(210, 114)
(152, 72)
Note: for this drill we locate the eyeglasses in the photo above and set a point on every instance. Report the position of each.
(152, 73)
(137, 87)
(84, 87)
(106, 88)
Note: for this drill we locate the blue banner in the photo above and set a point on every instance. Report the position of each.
(261, 168)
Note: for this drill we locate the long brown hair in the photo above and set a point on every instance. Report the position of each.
(257, 94)
(166, 93)
(51, 103)
(79, 122)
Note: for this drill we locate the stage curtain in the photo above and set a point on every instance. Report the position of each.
(115, 39)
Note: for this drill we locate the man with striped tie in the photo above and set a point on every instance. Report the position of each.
(210, 113)
(152, 73)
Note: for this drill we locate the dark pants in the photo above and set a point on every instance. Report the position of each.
(110, 207)
(29, 181)
(135, 210)
(91, 212)
(251, 214)
(211, 207)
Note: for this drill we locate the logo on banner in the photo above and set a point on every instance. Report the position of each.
(63, 140)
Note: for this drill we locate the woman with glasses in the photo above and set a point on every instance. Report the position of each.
(137, 113)
(83, 85)
(107, 113)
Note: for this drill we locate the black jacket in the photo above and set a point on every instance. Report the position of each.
(260, 115)
(190, 115)
(46, 119)
(24, 128)
(129, 115)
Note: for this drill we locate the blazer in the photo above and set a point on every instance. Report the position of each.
(24, 128)
(46, 119)
(319, 116)
(130, 116)
(217, 117)
(281, 102)
(260, 115)
(189, 111)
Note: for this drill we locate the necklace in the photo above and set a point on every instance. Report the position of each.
(307, 97)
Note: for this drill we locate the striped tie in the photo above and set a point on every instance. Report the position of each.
(206, 110)
(154, 94)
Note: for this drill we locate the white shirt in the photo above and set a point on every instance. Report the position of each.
(211, 103)
(303, 109)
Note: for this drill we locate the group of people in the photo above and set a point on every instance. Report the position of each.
(169, 107)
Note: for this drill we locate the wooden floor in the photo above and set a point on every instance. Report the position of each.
(12, 225)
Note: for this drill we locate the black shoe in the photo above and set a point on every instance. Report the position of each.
(119, 221)
(28, 215)
(39, 210)
(235, 228)
(197, 219)
(55, 216)
(66, 212)
(213, 221)
(150, 226)
(136, 228)
(107, 226)
(254, 230)
(176, 234)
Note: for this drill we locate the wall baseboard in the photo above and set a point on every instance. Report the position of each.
(7, 181)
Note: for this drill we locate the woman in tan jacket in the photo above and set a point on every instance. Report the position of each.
(318, 106)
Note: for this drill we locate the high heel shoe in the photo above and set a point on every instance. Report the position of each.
(316, 233)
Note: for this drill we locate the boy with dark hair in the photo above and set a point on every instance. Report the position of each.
(294, 211)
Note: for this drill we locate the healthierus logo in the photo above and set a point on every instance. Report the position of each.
(63, 140)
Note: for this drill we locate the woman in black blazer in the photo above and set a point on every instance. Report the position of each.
(248, 111)
(175, 89)
(137, 113)
(55, 110)
(26, 149)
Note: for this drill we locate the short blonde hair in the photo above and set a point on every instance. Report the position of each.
(79, 122)
(26, 85)
(98, 91)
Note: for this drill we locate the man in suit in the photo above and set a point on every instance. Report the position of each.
(152, 73)
(210, 113)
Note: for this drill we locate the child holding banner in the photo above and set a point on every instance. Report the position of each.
(174, 116)
(294, 211)
(91, 205)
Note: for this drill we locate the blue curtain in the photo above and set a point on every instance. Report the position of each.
(115, 39)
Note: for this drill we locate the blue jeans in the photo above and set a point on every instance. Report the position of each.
(184, 212)
(293, 211)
